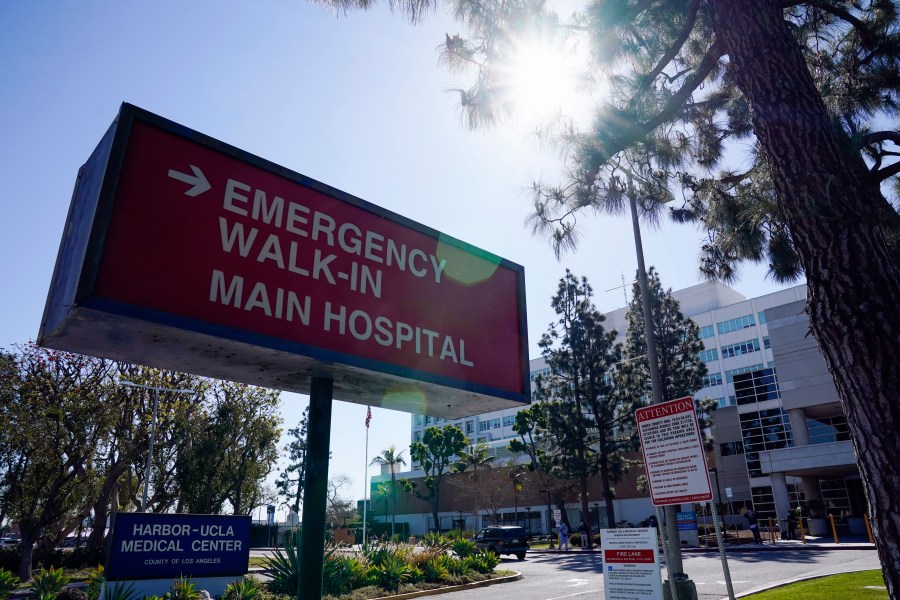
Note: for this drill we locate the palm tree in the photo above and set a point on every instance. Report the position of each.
(475, 456)
(391, 458)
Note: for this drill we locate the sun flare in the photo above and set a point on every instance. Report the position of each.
(544, 81)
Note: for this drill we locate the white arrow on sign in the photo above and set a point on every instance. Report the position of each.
(197, 180)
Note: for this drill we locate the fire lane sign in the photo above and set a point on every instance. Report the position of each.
(673, 453)
(183, 252)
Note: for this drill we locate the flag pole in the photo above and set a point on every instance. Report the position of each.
(366, 478)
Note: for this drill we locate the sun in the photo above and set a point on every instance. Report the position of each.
(544, 81)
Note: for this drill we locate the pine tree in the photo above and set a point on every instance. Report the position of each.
(678, 346)
(291, 480)
(807, 86)
(590, 428)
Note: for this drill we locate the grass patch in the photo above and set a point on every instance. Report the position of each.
(845, 585)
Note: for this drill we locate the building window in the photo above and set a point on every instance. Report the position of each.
(708, 355)
(764, 430)
(740, 348)
(419, 420)
(762, 317)
(706, 331)
(712, 379)
(722, 402)
(470, 427)
(418, 436)
(755, 386)
(729, 375)
(766, 342)
(428, 420)
(763, 502)
(827, 430)
(509, 420)
(736, 324)
(836, 498)
(731, 448)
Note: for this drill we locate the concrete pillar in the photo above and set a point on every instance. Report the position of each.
(798, 425)
(811, 489)
(781, 496)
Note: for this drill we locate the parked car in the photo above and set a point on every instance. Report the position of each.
(503, 539)
(8, 542)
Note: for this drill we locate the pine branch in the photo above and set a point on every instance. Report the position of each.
(888, 171)
(640, 130)
(676, 47)
(867, 35)
(881, 136)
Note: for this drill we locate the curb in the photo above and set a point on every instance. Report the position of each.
(453, 588)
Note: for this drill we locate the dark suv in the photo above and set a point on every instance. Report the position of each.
(503, 539)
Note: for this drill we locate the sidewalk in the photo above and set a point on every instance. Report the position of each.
(822, 543)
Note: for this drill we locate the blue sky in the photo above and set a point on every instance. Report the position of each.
(358, 102)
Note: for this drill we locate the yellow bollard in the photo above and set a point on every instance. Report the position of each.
(771, 530)
(869, 529)
(802, 532)
(833, 529)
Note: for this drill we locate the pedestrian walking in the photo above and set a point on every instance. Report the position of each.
(563, 536)
(791, 525)
(585, 535)
(753, 521)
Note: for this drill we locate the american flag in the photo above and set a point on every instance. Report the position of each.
(368, 416)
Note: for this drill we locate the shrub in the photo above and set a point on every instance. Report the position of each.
(48, 584)
(459, 566)
(241, 589)
(575, 539)
(378, 556)
(435, 570)
(484, 562)
(121, 591)
(435, 541)
(94, 581)
(283, 567)
(389, 574)
(8, 583)
(464, 548)
(72, 594)
(342, 574)
(183, 589)
(416, 574)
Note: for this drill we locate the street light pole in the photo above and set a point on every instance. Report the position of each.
(549, 518)
(675, 566)
(154, 390)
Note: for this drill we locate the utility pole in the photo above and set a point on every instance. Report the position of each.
(680, 586)
(154, 390)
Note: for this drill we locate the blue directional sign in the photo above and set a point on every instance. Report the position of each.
(161, 546)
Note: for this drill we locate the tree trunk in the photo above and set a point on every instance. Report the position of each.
(832, 208)
(26, 545)
(585, 509)
(607, 495)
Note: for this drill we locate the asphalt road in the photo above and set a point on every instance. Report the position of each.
(551, 576)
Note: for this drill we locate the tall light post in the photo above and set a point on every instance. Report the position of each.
(154, 390)
(549, 517)
(688, 590)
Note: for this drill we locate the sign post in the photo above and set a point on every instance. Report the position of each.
(676, 463)
(151, 550)
(182, 252)
(630, 564)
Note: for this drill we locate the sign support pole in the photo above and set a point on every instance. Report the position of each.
(725, 570)
(675, 568)
(312, 542)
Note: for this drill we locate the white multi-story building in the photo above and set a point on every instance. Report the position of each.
(764, 452)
